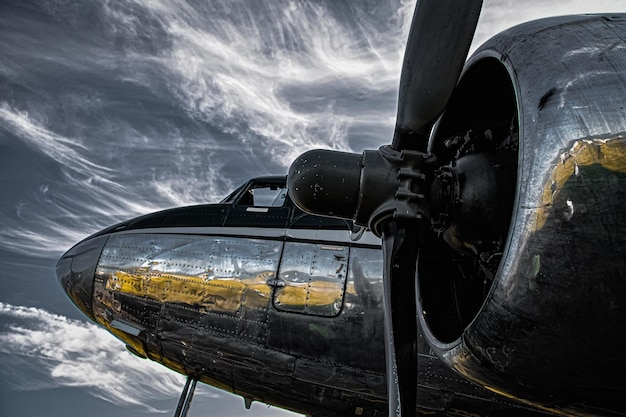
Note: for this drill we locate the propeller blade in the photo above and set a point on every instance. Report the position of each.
(400, 256)
(387, 189)
(439, 39)
(438, 42)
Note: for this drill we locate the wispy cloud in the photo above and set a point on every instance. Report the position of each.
(39, 225)
(72, 353)
(248, 69)
(64, 150)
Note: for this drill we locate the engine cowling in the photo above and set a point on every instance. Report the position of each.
(546, 324)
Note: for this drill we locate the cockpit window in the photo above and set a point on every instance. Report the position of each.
(263, 195)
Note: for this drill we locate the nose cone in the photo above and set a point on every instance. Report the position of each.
(76, 269)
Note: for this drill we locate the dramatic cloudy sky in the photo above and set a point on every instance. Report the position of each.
(111, 109)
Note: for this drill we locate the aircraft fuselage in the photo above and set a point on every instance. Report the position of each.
(257, 298)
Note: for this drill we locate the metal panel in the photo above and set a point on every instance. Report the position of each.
(216, 285)
(312, 279)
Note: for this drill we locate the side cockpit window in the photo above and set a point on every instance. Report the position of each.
(264, 195)
(262, 202)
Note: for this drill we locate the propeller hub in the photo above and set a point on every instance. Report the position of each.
(326, 182)
(370, 188)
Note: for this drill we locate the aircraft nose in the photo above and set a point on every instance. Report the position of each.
(76, 269)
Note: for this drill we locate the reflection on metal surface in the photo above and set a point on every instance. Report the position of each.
(314, 277)
(223, 294)
(207, 273)
(125, 327)
(75, 271)
(219, 275)
(609, 154)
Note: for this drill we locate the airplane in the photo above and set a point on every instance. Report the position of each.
(473, 267)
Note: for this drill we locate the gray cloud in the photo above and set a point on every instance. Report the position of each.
(71, 353)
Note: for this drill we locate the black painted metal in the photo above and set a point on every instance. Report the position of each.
(391, 187)
(314, 191)
(399, 243)
(76, 269)
(550, 326)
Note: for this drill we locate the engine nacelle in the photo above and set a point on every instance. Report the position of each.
(549, 326)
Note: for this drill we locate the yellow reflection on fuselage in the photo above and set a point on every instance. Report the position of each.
(217, 294)
(608, 153)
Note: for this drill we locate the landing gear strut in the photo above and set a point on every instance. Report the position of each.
(185, 398)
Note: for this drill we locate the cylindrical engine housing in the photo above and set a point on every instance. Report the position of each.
(550, 328)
